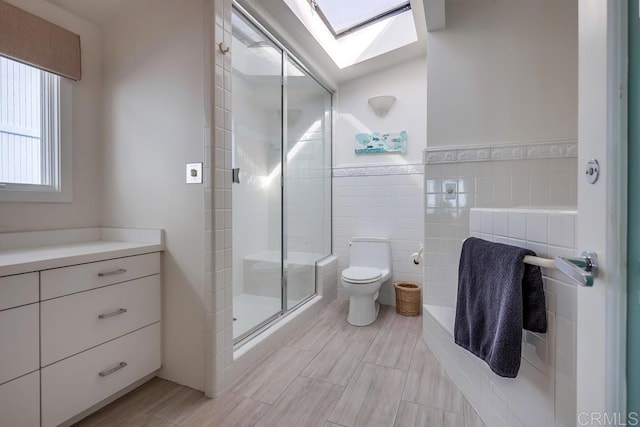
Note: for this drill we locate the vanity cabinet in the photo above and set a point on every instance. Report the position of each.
(72, 336)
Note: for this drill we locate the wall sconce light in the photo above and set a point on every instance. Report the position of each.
(381, 104)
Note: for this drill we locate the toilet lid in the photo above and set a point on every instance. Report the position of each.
(361, 274)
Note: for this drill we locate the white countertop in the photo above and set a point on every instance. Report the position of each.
(20, 253)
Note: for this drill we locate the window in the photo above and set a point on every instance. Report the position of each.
(30, 134)
(342, 17)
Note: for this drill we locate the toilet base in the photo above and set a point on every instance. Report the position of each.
(363, 311)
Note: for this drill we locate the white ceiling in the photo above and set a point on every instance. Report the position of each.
(96, 11)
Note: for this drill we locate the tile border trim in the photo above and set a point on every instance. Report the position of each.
(378, 170)
(528, 150)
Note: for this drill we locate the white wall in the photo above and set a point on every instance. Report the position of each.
(378, 194)
(503, 71)
(497, 183)
(154, 125)
(84, 211)
(408, 83)
(386, 206)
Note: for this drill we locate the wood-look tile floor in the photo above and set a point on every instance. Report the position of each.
(330, 374)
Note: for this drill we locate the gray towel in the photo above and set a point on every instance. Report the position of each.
(498, 295)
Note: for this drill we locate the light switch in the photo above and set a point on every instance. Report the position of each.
(194, 173)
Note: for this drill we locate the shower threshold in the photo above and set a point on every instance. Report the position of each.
(253, 314)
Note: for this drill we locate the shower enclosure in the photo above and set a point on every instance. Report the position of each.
(281, 191)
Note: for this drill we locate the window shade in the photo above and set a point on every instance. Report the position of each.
(27, 38)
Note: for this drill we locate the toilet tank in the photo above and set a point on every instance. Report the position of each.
(370, 252)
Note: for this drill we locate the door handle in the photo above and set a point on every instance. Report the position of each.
(580, 270)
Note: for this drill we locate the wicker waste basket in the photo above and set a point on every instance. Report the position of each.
(407, 298)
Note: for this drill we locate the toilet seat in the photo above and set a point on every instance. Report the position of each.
(357, 275)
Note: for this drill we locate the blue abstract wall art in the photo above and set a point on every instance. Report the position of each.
(377, 142)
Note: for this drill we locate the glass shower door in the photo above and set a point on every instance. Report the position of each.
(307, 181)
(257, 193)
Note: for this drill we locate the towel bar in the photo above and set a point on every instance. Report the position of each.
(581, 270)
(540, 262)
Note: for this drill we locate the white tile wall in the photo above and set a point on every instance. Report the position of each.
(494, 183)
(380, 205)
(307, 183)
(250, 201)
(544, 392)
(218, 275)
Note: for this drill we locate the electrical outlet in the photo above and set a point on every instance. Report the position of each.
(450, 190)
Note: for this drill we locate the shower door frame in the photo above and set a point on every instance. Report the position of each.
(284, 270)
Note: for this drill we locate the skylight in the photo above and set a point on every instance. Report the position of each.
(367, 39)
(342, 17)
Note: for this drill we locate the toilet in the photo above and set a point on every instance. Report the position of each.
(369, 267)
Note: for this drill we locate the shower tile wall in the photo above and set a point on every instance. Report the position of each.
(308, 192)
(308, 207)
(252, 152)
(491, 183)
(381, 201)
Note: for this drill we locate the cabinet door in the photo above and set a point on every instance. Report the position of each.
(21, 289)
(19, 342)
(20, 401)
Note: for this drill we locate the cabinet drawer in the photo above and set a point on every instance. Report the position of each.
(20, 289)
(68, 280)
(74, 323)
(20, 401)
(79, 382)
(19, 342)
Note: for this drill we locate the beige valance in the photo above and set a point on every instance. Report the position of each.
(30, 39)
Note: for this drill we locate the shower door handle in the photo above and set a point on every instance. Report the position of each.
(235, 175)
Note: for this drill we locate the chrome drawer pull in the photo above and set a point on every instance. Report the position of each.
(113, 313)
(114, 369)
(111, 273)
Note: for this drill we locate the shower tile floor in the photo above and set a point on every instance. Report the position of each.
(329, 374)
(251, 310)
